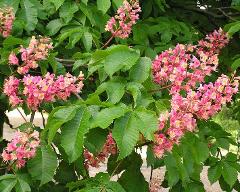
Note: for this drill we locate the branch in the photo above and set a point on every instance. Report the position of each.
(226, 15)
(201, 11)
(205, 12)
(65, 60)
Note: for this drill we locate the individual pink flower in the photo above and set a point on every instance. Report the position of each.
(121, 24)
(13, 60)
(21, 148)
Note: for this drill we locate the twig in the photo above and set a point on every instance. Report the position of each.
(22, 115)
(32, 117)
(43, 120)
(156, 90)
(228, 16)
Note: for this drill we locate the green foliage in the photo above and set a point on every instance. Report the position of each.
(120, 97)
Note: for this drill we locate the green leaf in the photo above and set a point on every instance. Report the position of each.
(103, 5)
(69, 32)
(78, 64)
(132, 179)
(22, 186)
(162, 105)
(12, 41)
(234, 28)
(7, 185)
(149, 123)
(115, 91)
(10, 3)
(54, 26)
(195, 187)
(43, 166)
(126, 134)
(65, 173)
(87, 40)
(73, 133)
(29, 15)
(120, 59)
(7, 176)
(235, 64)
(67, 10)
(171, 167)
(95, 140)
(106, 116)
(57, 118)
(114, 88)
(134, 89)
(57, 3)
(229, 173)
(214, 173)
(200, 152)
(141, 71)
(118, 3)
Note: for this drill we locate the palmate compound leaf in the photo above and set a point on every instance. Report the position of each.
(43, 166)
(73, 132)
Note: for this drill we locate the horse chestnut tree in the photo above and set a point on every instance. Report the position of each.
(115, 77)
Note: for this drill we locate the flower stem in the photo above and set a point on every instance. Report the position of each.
(32, 117)
(109, 40)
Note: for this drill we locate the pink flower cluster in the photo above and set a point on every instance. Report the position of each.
(22, 147)
(7, 17)
(183, 71)
(108, 148)
(37, 50)
(186, 65)
(37, 89)
(121, 24)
